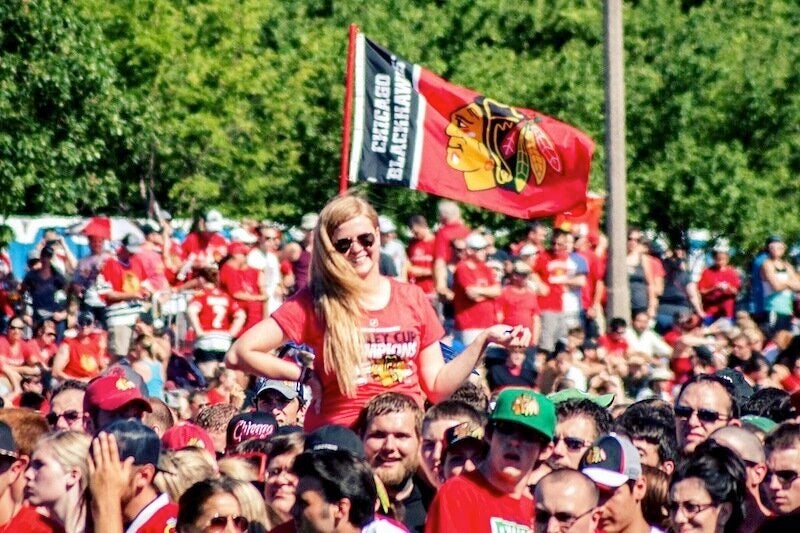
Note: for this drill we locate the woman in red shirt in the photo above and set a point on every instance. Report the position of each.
(84, 356)
(369, 332)
(16, 353)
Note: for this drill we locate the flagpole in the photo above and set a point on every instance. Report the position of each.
(619, 303)
(348, 102)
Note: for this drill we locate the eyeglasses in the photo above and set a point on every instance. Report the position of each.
(565, 520)
(70, 416)
(49, 334)
(12, 326)
(785, 477)
(573, 444)
(366, 240)
(689, 508)
(220, 522)
(704, 415)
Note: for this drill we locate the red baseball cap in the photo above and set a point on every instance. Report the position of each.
(112, 392)
(187, 435)
(238, 248)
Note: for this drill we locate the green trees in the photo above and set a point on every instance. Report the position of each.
(238, 104)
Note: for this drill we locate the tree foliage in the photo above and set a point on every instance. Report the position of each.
(238, 104)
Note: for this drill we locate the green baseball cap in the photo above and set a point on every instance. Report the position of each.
(527, 408)
(603, 400)
(761, 423)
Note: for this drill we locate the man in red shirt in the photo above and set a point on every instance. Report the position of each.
(495, 497)
(451, 228)
(206, 247)
(243, 283)
(518, 304)
(123, 493)
(420, 256)
(475, 290)
(552, 268)
(614, 342)
(718, 286)
(216, 318)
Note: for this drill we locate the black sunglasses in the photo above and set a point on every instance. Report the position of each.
(573, 444)
(220, 522)
(785, 477)
(70, 416)
(366, 240)
(704, 415)
(567, 520)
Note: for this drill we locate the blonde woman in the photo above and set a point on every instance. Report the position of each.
(370, 333)
(181, 469)
(149, 360)
(58, 476)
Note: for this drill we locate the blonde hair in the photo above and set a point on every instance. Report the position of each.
(336, 289)
(179, 470)
(71, 450)
(251, 503)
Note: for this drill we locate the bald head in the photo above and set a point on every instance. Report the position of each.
(741, 441)
(567, 484)
(449, 211)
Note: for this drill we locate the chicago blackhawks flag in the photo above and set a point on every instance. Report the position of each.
(413, 129)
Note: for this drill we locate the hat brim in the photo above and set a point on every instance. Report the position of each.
(607, 478)
(465, 440)
(111, 405)
(527, 427)
(283, 392)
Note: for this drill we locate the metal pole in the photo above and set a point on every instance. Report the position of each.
(619, 304)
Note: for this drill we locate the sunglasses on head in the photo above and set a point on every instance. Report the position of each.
(366, 240)
(573, 444)
(70, 416)
(220, 522)
(784, 476)
(704, 415)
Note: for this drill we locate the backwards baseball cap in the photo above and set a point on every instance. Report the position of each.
(476, 241)
(741, 389)
(8, 448)
(611, 461)
(187, 435)
(288, 389)
(112, 392)
(603, 400)
(132, 242)
(760, 423)
(462, 433)
(527, 408)
(238, 248)
(332, 437)
(246, 426)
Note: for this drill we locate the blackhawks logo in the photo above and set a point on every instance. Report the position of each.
(524, 405)
(124, 384)
(494, 145)
(595, 455)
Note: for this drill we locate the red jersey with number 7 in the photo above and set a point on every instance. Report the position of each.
(216, 310)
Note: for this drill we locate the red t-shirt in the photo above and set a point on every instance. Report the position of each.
(614, 346)
(420, 254)
(469, 503)
(154, 271)
(20, 355)
(552, 268)
(718, 302)
(518, 306)
(122, 278)
(469, 314)
(216, 310)
(29, 521)
(215, 397)
(207, 248)
(233, 280)
(86, 357)
(442, 248)
(395, 335)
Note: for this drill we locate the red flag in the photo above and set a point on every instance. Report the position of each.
(587, 223)
(413, 129)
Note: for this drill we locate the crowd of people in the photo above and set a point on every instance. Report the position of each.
(332, 377)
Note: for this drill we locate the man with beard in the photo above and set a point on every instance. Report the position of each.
(391, 424)
(495, 497)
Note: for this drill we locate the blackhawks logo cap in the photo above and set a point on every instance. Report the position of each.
(527, 408)
(611, 461)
